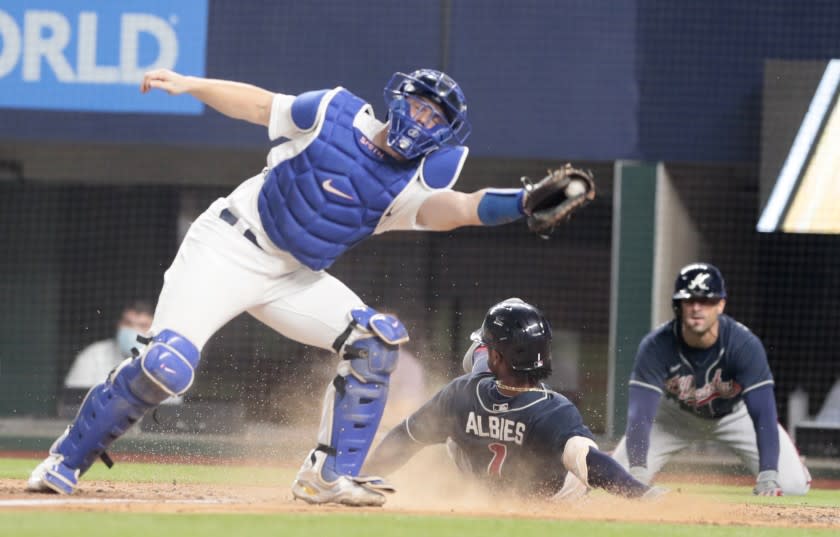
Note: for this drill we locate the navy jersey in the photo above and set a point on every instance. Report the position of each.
(708, 382)
(519, 440)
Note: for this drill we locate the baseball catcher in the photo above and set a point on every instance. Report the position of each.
(336, 177)
(502, 424)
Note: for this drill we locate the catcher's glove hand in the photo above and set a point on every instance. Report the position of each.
(767, 484)
(555, 197)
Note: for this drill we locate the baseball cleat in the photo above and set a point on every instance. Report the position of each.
(312, 488)
(52, 475)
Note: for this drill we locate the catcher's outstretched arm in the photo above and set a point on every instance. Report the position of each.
(233, 99)
(486, 207)
(545, 203)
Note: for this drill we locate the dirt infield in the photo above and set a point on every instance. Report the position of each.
(428, 485)
(443, 499)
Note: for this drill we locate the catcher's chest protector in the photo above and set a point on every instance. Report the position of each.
(326, 199)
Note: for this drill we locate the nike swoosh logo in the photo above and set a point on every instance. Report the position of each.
(327, 184)
(674, 368)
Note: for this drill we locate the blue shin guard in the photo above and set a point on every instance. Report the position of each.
(111, 408)
(356, 399)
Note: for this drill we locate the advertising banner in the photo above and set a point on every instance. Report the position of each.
(90, 55)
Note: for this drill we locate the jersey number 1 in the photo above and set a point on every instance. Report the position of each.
(499, 454)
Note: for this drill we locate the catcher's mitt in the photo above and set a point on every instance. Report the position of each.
(556, 196)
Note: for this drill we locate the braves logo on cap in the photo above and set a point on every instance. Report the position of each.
(699, 282)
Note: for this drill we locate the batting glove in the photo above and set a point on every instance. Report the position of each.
(767, 484)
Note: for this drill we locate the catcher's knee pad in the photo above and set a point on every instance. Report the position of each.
(356, 398)
(137, 385)
(168, 367)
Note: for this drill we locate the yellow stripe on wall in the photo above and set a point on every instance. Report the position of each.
(816, 203)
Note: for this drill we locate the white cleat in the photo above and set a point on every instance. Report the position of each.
(53, 476)
(310, 487)
(36, 481)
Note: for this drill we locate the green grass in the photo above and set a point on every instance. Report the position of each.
(332, 523)
(734, 494)
(165, 473)
(349, 525)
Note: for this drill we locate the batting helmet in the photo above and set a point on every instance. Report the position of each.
(698, 280)
(520, 333)
(412, 139)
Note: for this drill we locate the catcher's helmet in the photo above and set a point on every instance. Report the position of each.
(520, 333)
(698, 280)
(410, 138)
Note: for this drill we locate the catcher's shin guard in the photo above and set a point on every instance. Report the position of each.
(111, 408)
(355, 400)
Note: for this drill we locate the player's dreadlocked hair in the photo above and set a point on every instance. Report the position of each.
(532, 377)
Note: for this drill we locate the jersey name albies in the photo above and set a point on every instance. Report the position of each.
(495, 427)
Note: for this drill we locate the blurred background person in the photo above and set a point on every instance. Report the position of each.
(95, 361)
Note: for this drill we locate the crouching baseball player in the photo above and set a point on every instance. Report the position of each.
(717, 385)
(336, 177)
(502, 424)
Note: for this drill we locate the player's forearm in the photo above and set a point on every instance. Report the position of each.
(486, 207)
(606, 473)
(641, 410)
(449, 210)
(761, 405)
(233, 99)
(393, 452)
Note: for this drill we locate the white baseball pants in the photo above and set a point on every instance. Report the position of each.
(218, 274)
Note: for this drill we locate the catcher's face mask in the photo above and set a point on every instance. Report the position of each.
(414, 129)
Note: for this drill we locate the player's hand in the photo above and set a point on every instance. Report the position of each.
(767, 484)
(166, 80)
(573, 489)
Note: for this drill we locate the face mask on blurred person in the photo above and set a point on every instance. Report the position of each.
(127, 340)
